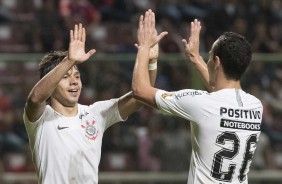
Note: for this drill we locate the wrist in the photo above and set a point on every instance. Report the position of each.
(153, 60)
(152, 66)
(196, 59)
(143, 47)
(70, 61)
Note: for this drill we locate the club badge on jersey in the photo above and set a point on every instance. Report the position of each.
(90, 129)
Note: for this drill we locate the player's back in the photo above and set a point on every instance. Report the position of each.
(225, 129)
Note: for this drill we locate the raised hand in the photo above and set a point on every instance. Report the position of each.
(147, 33)
(77, 45)
(192, 45)
(154, 51)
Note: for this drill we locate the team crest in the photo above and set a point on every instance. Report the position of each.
(91, 132)
(167, 95)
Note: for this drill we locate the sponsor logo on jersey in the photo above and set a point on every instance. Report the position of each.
(81, 115)
(61, 128)
(91, 132)
(188, 93)
(240, 113)
(227, 123)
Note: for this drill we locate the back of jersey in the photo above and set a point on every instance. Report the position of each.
(225, 128)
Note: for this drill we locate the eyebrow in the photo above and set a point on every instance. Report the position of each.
(77, 73)
(71, 71)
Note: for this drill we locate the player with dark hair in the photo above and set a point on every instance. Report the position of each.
(65, 136)
(225, 122)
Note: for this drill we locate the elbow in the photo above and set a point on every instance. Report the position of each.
(136, 93)
(139, 94)
(35, 98)
(140, 90)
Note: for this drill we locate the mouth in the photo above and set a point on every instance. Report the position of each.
(73, 91)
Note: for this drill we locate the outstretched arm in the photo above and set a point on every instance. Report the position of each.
(44, 88)
(147, 38)
(127, 103)
(191, 47)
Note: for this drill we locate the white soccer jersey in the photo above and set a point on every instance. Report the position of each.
(67, 150)
(225, 126)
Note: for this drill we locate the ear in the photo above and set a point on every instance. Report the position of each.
(217, 62)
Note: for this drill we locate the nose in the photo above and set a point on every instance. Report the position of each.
(73, 80)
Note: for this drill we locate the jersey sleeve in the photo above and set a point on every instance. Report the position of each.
(108, 110)
(31, 127)
(188, 103)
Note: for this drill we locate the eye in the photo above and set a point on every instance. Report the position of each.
(65, 76)
(77, 76)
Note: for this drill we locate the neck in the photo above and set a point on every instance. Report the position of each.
(223, 83)
(227, 85)
(68, 111)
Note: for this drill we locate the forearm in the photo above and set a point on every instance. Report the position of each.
(127, 103)
(202, 69)
(153, 72)
(141, 87)
(141, 76)
(46, 86)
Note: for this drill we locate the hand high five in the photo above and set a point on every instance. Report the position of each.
(192, 45)
(147, 33)
(77, 45)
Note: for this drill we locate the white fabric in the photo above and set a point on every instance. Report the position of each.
(224, 124)
(67, 150)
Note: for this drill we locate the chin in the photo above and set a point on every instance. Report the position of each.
(72, 102)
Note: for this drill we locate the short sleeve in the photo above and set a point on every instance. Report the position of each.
(186, 103)
(108, 110)
(32, 127)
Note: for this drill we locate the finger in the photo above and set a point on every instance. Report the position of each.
(163, 34)
(83, 35)
(153, 22)
(80, 32)
(146, 20)
(192, 29)
(90, 53)
(184, 43)
(196, 28)
(141, 21)
(155, 32)
(199, 27)
(71, 35)
(75, 32)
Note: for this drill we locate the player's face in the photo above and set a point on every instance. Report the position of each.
(69, 88)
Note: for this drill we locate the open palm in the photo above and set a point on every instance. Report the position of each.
(77, 45)
(191, 45)
(147, 33)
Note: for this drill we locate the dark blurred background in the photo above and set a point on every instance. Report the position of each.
(148, 141)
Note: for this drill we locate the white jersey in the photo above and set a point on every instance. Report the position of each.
(67, 150)
(225, 127)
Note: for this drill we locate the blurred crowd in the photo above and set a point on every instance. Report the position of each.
(147, 141)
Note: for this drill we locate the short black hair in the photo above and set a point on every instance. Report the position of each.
(50, 61)
(235, 54)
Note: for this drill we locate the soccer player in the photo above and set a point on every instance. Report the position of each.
(225, 122)
(66, 137)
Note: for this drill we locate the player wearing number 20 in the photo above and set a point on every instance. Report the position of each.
(225, 122)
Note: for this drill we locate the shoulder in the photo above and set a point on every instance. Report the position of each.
(185, 97)
(190, 93)
(182, 93)
(47, 113)
(104, 103)
(100, 106)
